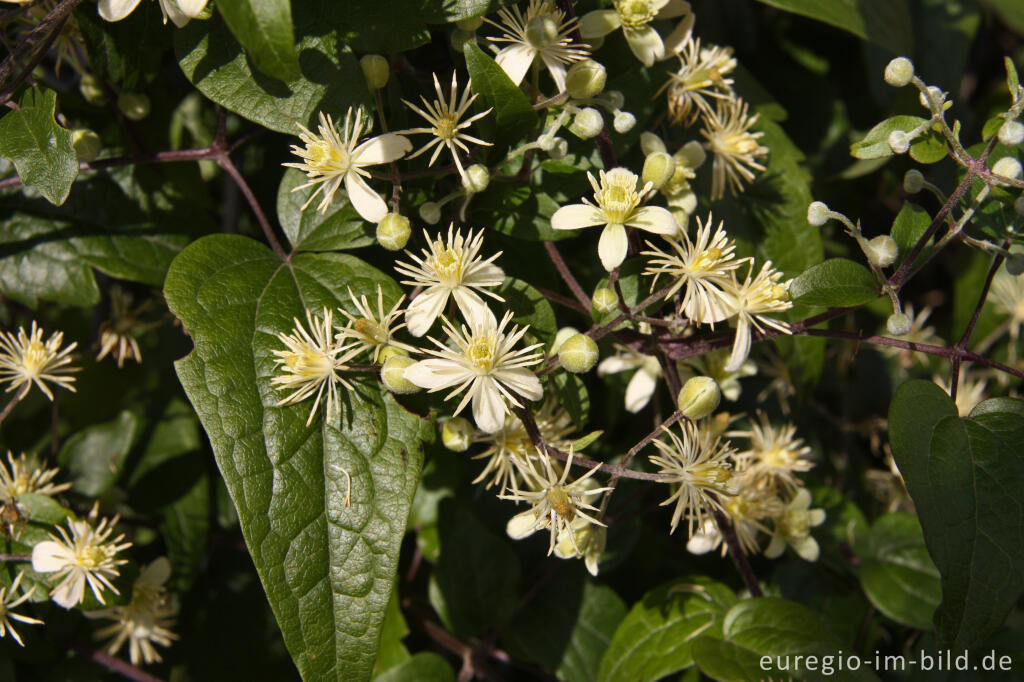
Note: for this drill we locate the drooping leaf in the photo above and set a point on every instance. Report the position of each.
(337, 229)
(40, 149)
(885, 22)
(512, 113)
(264, 28)
(327, 567)
(835, 282)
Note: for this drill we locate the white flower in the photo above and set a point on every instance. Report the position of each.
(712, 365)
(970, 390)
(587, 541)
(85, 557)
(635, 17)
(311, 364)
(25, 359)
(8, 602)
(701, 76)
(543, 33)
(643, 384)
(617, 206)
(775, 455)
(143, 622)
(486, 364)
(330, 159)
(179, 11)
(27, 475)
(752, 300)
(446, 124)
(793, 528)
(450, 268)
(736, 149)
(373, 330)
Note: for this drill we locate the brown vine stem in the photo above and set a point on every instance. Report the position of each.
(567, 276)
(118, 666)
(736, 553)
(15, 557)
(14, 401)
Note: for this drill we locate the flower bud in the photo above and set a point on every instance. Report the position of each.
(623, 122)
(392, 374)
(87, 144)
(393, 232)
(457, 434)
(1008, 167)
(650, 143)
(605, 300)
(659, 168)
(585, 79)
(899, 72)
(376, 70)
(133, 106)
(578, 354)
(1011, 133)
(559, 149)
(898, 141)
(898, 324)
(470, 24)
(459, 38)
(541, 31)
(389, 351)
(563, 335)
(92, 90)
(935, 93)
(430, 212)
(913, 181)
(882, 251)
(587, 123)
(817, 213)
(699, 397)
(476, 178)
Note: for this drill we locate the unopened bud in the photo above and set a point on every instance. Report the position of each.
(699, 397)
(393, 232)
(587, 123)
(392, 374)
(430, 212)
(134, 106)
(933, 93)
(882, 251)
(459, 39)
(659, 168)
(1008, 167)
(476, 178)
(817, 213)
(1011, 133)
(585, 79)
(899, 72)
(605, 300)
(578, 354)
(913, 181)
(898, 324)
(563, 335)
(898, 141)
(387, 352)
(541, 32)
(623, 122)
(470, 24)
(87, 144)
(457, 434)
(376, 70)
(92, 90)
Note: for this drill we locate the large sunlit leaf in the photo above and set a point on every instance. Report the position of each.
(264, 28)
(835, 282)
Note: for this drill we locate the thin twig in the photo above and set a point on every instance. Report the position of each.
(566, 275)
(115, 664)
(736, 553)
(14, 401)
(224, 161)
(15, 557)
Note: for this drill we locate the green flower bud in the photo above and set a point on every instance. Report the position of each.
(393, 232)
(476, 178)
(389, 351)
(87, 144)
(935, 93)
(457, 434)
(587, 123)
(541, 32)
(392, 374)
(92, 90)
(659, 168)
(376, 70)
(605, 300)
(1011, 133)
(899, 72)
(623, 122)
(471, 24)
(882, 251)
(585, 79)
(430, 212)
(1008, 167)
(817, 213)
(578, 354)
(134, 106)
(699, 397)
(899, 141)
(563, 335)
(460, 38)
(913, 181)
(898, 324)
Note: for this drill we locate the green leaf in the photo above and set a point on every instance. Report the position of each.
(897, 574)
(909, 226)
(529, 307)
(392, 653)
(1012, 81)
(42, 509)
(835, 282)
(513, 115)
(474, 584)
(929, 147)
(574, 397)
(337, 229)
(93, 458)
(40, 149)
(423, 667)
(875, 144)
(327, 568)
(127, 53)
(885, 22)
(450, 11)
(916, 407)
(722, 660)
(655, 638)
(264, 28)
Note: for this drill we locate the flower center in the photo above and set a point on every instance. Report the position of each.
(370, 331)
(634, 13)
(91, 557)
(795, 524)
(559, 500)
(711, 475)
(309, 361)
(327, 159)
(447, 265)
(481, 352)
(618, 196)
(541, 32)
(706, 260)
(735, 144)
(446, 127)
(35, 358)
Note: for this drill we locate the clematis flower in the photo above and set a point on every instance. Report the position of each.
(178, 11)
(643, 384)
(25, 359)
(634, 18)
(752, 300)
(736, 149)
(617, 207)
(542, 33)
(7, 605)
(793, 528)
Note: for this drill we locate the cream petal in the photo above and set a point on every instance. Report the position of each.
(807, 548)
(485, 275)
(522, 381)
(576, 217)
(816, 517)
(522, 525)
(472, 307)
(49, 556)
(775, 548)
(70, 591)
(702, 542)
(367, 203)
(639, 391)
(424, 309)
(612, 247)
(381, 149)
(655, 219)
(557, 70)
(646, 44)
(192, 8)
(740, 347)
(678, 37)
(670, 9)
(156, 573)
(435, 373)
(591, 561)
(116, 10)
(174, 12)
(599, 23)
(488, 406)
(802, 499)
(616, 364)
(515, 61)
